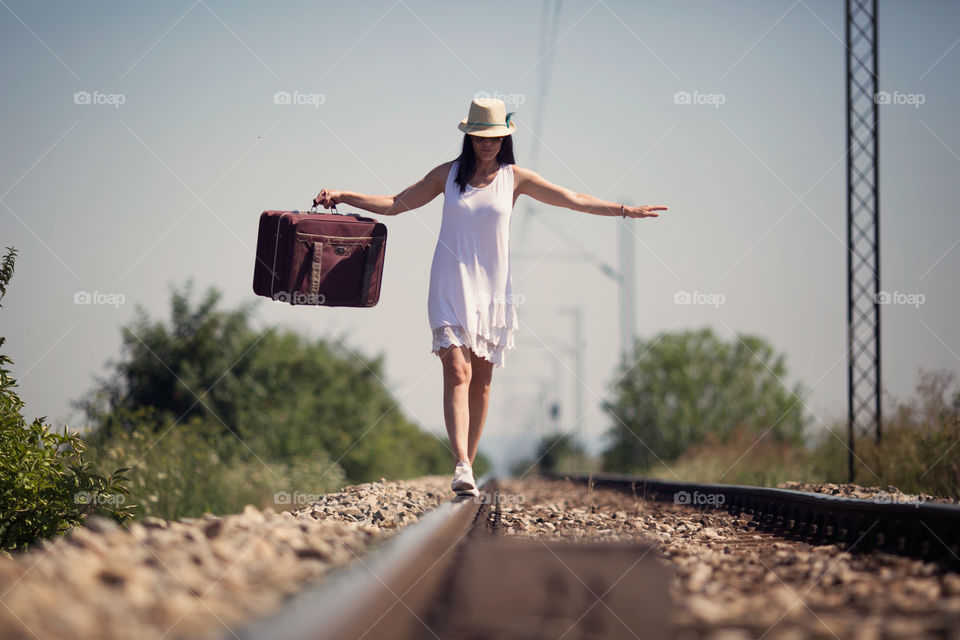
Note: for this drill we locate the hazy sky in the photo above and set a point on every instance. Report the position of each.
(141, 141)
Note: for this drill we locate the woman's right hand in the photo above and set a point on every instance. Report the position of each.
(327, 198)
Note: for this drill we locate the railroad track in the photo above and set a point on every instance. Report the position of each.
(930, 531)
(453, 575)
(461, 573)
(580, 557)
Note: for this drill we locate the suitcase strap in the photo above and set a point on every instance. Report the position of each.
(315, 268)
(372, 254)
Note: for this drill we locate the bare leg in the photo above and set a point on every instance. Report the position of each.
(456, 403)
(479, 400)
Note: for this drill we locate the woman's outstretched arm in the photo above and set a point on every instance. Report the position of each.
(414, 196)
(532, 184)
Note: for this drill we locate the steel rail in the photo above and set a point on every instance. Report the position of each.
(373, 596)
(888, 523)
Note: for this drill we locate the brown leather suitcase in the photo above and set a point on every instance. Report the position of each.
(312, 258)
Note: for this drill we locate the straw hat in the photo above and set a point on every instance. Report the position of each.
(488, 118)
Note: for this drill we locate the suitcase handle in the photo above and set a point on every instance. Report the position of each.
(333, 210)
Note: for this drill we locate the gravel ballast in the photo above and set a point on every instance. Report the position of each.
(874, 494)
(731, 581)
(209, 577)
(198, 578)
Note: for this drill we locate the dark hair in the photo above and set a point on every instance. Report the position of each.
(468, 159)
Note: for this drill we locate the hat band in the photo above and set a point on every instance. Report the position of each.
(506, 123)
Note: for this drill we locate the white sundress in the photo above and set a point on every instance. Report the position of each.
(471, 301)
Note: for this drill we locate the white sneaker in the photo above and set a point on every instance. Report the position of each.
(463, 483)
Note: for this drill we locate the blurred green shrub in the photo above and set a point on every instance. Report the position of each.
(918, 453)
(919, 450)
(679, 389)
(46, 483)
(211, 413)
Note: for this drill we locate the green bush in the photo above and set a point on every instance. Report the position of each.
(187, 469)
(681, 388)
(212, 413)
(918, 451)
(743, 457)
(46, 484)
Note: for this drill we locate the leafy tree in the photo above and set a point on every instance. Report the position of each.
(198, 365)
(46, 486)
(275, 395)
(680, 387)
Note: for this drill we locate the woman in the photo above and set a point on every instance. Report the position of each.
(470, 305)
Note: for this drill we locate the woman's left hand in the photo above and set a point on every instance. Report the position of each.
(646, 211)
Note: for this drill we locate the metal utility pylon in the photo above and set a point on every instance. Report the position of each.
(863, 224)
